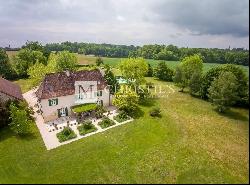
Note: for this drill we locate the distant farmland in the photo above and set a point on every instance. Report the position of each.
(83, 59)
(115, 61)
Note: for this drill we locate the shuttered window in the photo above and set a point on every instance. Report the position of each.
(99, 93)
(53, 102)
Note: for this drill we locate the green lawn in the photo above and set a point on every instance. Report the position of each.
(25, 84)
(191, 143)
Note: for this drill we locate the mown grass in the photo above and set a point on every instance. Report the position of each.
(190, 143)
(25, 84)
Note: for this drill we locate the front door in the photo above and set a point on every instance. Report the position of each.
(62, 112)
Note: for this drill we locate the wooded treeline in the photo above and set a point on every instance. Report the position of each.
(238, 56)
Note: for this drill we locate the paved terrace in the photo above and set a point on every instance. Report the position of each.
(48, 132)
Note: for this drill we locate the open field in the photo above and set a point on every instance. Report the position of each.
(191, 143)
(83, 59)
(115, 61)
(11, 53)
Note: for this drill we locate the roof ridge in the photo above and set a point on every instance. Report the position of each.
(11, 89)
(63, 84)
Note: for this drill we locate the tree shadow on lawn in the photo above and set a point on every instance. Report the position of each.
(6, 133)
(235, 115)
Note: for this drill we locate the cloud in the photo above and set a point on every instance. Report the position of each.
(214, 17)
(193, 23)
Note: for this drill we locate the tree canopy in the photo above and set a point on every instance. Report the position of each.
(5, 66)
(163, 72)
(62, 61)
(188, 73)
(26, 58)
(99, 61)
(134, 70)
(111, 79)
(21, 118)
(126, 100)
(240, 75)
(223, 91)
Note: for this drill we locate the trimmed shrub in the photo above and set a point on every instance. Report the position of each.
(106, 122)
(99, 111)
(86, 128)
(66, 134)
(121, 117)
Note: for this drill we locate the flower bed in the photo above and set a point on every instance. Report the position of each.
(106, 122)
(66, 134)
(86, 128)
(121, 117)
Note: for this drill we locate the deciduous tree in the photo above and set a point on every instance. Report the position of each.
(20, 121)
(99, 61)
(126, 100)
(26, 58)
(134, 70)
(223, 91)
(111, 80)
(5, 66)
(163, 72)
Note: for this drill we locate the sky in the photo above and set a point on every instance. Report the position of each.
(185, 23)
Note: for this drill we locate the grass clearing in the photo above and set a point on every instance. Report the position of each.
(191, 143)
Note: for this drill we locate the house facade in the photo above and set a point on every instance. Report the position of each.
(9, 91)
(59, 92)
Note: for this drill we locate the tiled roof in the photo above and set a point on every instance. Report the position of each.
(63, 84)
(10, 89)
